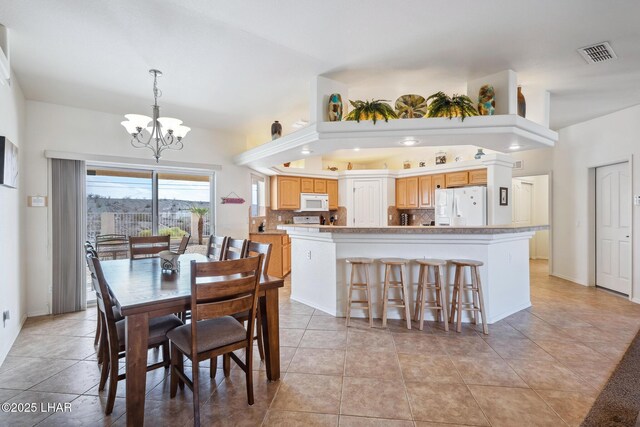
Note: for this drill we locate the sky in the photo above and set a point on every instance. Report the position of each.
(140, 188)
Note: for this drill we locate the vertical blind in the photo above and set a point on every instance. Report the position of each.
(68, 201)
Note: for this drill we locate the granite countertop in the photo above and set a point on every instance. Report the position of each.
(397, 229)
(270, 232)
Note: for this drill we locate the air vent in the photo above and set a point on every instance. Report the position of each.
(518, 164)
(598, 53)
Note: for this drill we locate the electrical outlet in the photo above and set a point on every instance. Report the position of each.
(413, 217)
(335, 217)
(390, 217)
(308, 254)
(253, 221)
(636, 200)
(6, 315)
(279, 217)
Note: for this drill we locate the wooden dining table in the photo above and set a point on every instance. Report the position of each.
(143, 291)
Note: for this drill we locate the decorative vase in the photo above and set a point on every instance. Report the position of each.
(349, 166)
(276, 130)
(406, 164)
(479, 154)
(522, 103)
(486, 101)
(441, 158)
(335, 107)
(411, 107)
(286, 165)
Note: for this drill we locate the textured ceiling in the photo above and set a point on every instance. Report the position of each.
(240, 65)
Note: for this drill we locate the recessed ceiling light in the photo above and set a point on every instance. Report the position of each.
(306, 151)
(356, 149)
(300, 124)
(514, 147)
(409, 142)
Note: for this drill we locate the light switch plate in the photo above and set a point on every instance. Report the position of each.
(636, 200)
(37, 201)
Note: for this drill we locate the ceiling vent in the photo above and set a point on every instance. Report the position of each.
(518, 164)
(597, 53)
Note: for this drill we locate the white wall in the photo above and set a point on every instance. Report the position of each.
(539, 244)
(605, 140)
(12, 288)
(60, 128)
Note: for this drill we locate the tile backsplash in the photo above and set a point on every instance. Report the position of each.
(422, 216)
(274, 218)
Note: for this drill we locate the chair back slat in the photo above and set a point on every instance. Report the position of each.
(216, 247)
(236, 249)
(183, 244)
(145, 246)
(234, 291)
(256, 248)
(104, 297)
(237, 305)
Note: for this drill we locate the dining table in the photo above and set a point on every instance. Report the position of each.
(142, 290)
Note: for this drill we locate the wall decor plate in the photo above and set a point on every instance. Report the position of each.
(411, 107)
(8, 163)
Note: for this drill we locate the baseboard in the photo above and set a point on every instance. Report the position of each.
(494, 319)
(311, 304)
(38, 313)
(12, 341)
(570, 279)
(636, 300)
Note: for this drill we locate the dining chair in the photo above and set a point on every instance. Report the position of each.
(183, 244)
(216, 247)
(144, 247)
(110, 245)
(236, 249)
(219, 289)
(113, 335)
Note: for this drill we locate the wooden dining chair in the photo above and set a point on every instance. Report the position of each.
(255, 249)
(219, 289)
(183, 244)
(236, 249)
(217, 247)
(113, 335)
(144, 247)
(111, 245)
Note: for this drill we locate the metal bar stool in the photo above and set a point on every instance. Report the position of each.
(362, 264)
(389, 265)
(439, 304)
(459, 288)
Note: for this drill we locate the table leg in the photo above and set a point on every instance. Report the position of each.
(269, 311)
(136, 348)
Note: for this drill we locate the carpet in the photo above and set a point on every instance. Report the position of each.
(619, 401)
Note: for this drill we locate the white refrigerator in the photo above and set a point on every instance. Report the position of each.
(465, 206)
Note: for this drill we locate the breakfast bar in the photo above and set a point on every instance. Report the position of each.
(320, 274)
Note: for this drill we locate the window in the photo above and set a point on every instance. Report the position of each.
(258, 198)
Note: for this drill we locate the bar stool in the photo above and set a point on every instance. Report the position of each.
(362, 264)
(477, 306)
(389, 265)
(439, 304)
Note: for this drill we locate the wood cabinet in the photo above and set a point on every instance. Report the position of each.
(285, 193)
(425, 189)
(332, 191)
(306, 185)
(280, 261)
(478, 177)
(407, 193)
(457, 179)
(320, 186)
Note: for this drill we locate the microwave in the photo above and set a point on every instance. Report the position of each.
(310, 202)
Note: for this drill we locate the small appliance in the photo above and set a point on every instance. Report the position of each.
(310, 202)
(404, 219)
(466, 206)
(306, 219)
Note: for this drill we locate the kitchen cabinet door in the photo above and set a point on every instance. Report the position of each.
(288, 193)
(412, 193)
(401, 193)
(332, 191)
(437, 182)
(457, 179)
(320, 186)
(425, 190)
(306, 185)
(478, 177)
(286, 259)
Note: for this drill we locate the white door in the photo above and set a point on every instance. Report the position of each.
(522, 212)
(366, 203)
(613, 228)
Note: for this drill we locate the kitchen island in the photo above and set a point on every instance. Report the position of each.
(320, 274)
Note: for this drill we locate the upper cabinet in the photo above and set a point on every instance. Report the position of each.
(285, 193)
(286, 190)
(332, 191)
(425, 190)
(457, 179)
(420, 192)
(407, 193)
(478, 177)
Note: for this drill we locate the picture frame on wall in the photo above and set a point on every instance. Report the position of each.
(8, 163)
(504, 196)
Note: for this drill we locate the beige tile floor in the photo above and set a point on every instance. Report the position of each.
(541, 367)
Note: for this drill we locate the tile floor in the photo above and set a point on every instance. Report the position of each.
(541, 367)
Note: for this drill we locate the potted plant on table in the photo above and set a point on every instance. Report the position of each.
(200, 213)
(456, 106)
(371, 110)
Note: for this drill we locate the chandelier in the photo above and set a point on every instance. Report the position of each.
(155, 133)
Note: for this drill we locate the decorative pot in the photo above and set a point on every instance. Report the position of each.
(335, 107)
(522, 103)
(441, 158)
(486, 101)
(411, 106)
(276, 130)
(406, 164)
(286, 165)
(479, 154)
(349, 166)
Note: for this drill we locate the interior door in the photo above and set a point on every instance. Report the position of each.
(522, 212)
(613, 228)
(366, 203)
